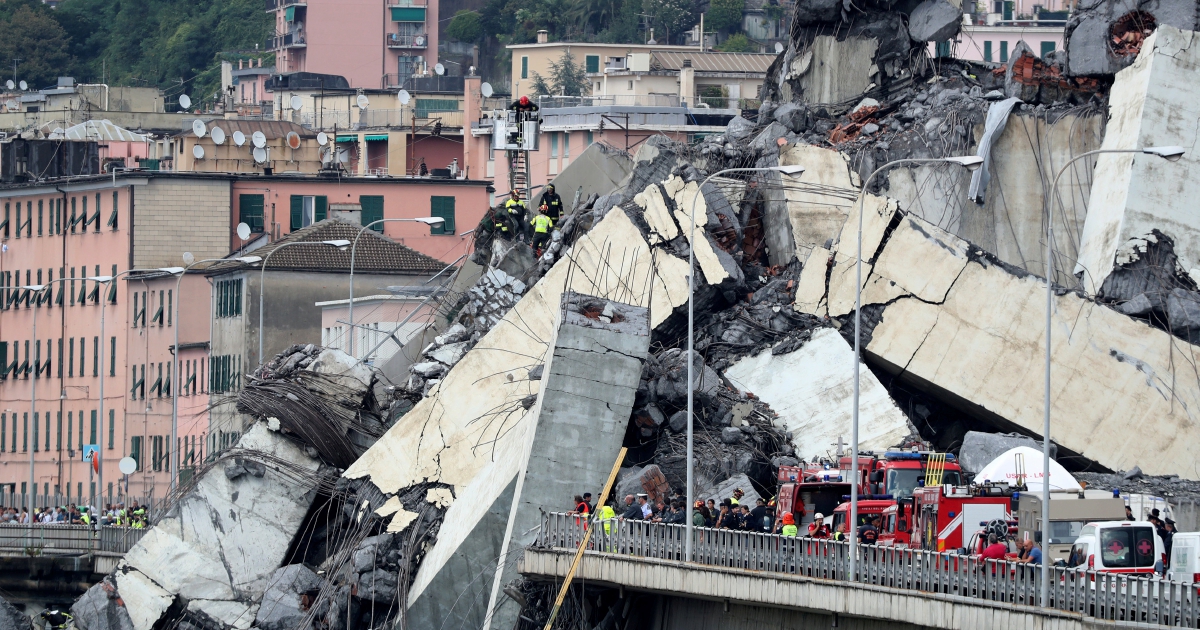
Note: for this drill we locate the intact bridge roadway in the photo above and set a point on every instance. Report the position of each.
(894, 588)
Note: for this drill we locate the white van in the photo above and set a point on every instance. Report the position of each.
(1185, 557)
(1117, 547)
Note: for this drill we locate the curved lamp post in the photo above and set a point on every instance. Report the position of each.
(1168, 153)
(793, 171)
(970, 162)
(430, 221)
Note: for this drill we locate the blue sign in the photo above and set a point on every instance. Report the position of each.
(89, 450)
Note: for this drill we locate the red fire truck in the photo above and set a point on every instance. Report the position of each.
(807, 490)
(895, 474)
(944, 518)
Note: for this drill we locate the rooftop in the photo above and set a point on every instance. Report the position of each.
(753, 63)
(100, 130)
(272, 129)
(375, 253)
(603, 45)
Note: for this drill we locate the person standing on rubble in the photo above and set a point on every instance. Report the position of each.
(516, 211)
(542, 224)
(552, 203)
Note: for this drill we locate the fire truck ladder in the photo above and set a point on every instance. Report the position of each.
(934, 468)
(518, 172)
(1019, 467)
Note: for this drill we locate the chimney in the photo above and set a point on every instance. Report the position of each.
(239, 64)
(260, 62)
(543, 37)
(687, 84)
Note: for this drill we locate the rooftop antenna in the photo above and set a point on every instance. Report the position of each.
(296, 102)
(11, 85)
(486, 90)
(239, 138)
(322, 138)
(778, 47)
(439, 69)
(24, 85)
(218, 135)
(199, 128)
(404, 97)
(259, 139)
(185, 102)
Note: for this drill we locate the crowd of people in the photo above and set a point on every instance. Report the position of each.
(510, 221)
(113, 515)
(730, 514)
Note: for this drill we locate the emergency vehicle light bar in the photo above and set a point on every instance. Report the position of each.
(906, 455)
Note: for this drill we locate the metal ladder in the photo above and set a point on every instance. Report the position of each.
(934, 468)
(518, 172)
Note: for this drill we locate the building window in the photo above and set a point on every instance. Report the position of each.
(524, 67)
(593, 63)
(1047, 48)
(112, 430)
(307, 210)
(92, 433)
(553, 145)
(590, 139)
(442, 207)
(41, 214)
(372, 210)
(987, 51)
(1003, 52)
(250, 212)
(135, 450)
(229, 298)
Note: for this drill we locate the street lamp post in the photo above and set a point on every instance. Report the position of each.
(173, 447)
(793, 171)
(35, 288)
(1170, 153)
(970, 162)
(340, 243)
(430, 221)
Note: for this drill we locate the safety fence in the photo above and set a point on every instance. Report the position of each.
(1110, 596)
(40, 539)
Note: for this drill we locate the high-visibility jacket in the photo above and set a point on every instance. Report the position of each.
(607, 514)
(515, 206)
(790, 530)
(542, 223)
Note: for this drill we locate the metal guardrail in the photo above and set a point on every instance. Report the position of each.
(36, 539)
(1101, 595)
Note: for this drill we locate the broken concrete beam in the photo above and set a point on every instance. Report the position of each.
(810, 389)
(13, 619)
(724, 490)
(718, 267)
(1094, 24)
(972, 350)
(591, 379)
(832, 69)
(219, 545)
(1152, 103)
(283, 606)
(817, 202)
(935, 21)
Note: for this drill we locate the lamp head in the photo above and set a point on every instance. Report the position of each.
(1171, 154)
(99, 278)
(970, 162)
(249, 260)
(430, 220)
(794, 170)
(339, 242)
(34, 287)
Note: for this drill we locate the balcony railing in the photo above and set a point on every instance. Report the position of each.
(396, 40)
(288, 40)
(279, 4)
(355, 119)
(625, 100)
(408, 3)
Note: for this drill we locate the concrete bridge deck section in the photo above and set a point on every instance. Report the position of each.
(886, 607)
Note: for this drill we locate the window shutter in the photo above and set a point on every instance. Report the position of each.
(297, 212)
(593, 63)
(372, 210)
(442, 207)
(320, 204)
(250, 212)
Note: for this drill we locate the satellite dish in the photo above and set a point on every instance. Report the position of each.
(59, 131)
(185, 101)
(198, 152)
(404, 97)
(239, 138)
(127, 465)
(11, 85)
(260, 154)
(322, 139)
(199, 128)
(439, 69)
(188, 258)
(259, 139)
(293, 139)
(243, 231)
(13, 104)
(778, 47)
(362, 101)
(24, 85)
(297, 102)
(218, 135)
(486, 90)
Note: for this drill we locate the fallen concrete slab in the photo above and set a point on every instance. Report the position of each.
(979, 348)
(1153, 103)
(811, 390)
(591, 378)
(980, 449)
(216, 549)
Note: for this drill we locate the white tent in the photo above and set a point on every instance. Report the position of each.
(1006, 467)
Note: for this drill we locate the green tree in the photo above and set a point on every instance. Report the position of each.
(738, 42)
(465, 26)
(724, 15)
(38, 41)
(670, 17)
(567, 78)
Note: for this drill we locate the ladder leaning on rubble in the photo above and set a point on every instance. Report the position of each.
(518, 172)
(562, 593)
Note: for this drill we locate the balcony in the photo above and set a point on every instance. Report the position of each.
(272, 5)
(408, 3)
(294, 39)
(396, 40)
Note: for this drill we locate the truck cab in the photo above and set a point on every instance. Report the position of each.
(1070, 511)
(945, 517)
(806, 490)
(896, 474)
(866, 507)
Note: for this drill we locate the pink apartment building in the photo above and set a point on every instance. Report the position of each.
(372, 44)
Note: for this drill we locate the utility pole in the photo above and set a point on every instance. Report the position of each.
(16, 60)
